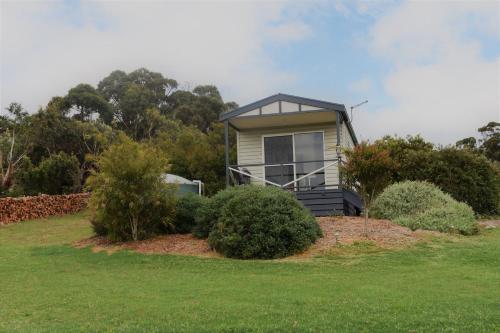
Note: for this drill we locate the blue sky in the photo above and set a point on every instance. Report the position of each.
(426, 67)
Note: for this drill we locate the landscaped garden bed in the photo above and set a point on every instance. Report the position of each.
(337, 231)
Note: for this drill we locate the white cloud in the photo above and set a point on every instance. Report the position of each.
(441, 84)
(362, 86)
(290, 31)
(44, 52)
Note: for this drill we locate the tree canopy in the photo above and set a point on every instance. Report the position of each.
(144, 105)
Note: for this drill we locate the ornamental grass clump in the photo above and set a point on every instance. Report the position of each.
(422, 205)
(260, 222)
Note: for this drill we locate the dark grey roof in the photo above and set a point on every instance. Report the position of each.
(293, 99)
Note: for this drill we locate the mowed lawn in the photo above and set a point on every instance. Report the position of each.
(447, 285)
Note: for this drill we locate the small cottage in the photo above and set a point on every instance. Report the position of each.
(297, 144)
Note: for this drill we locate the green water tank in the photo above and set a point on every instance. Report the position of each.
(184, 185)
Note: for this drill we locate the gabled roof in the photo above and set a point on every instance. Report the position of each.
(293, 99)
(284, 98)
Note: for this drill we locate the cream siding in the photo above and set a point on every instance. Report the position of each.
(271, 108)
(254, 112)
(250, 150)
(346, 139)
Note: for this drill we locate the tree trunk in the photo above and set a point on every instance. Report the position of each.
(133, 227)
(7, 177)
(366, 221)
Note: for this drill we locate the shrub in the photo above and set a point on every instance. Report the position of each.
(421, 205)
(186, 210)
(453, 217)
(210, 211)
(263, 222)
(56, 174)
(408, 198)
(129, 198)
(466, 175)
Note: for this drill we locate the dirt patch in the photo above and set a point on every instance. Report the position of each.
(336, 230)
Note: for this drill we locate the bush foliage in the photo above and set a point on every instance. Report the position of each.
(456, 217)
(56, 174)
(466, 175)
(129, 199)
(187, 209)
(421, 205)
(408, 198)
(210, 211)
(263, 222)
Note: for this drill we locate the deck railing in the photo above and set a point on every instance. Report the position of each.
(240, 171)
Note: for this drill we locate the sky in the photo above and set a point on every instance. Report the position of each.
(426, 67)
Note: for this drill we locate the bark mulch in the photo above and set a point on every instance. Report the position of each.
(185, 244)
(490, 224)
(336, 230)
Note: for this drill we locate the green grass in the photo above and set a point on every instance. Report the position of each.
(447, 285)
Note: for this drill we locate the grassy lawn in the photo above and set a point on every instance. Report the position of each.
(448, 285)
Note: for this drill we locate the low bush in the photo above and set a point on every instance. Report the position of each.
(456, 217)
(186, 210)
(210, 211)
(408, 198)
(130, 201)
(422, 205)
(263, 222)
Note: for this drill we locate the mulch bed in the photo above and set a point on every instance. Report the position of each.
(490, 224)
(185, 244)
(344, 230)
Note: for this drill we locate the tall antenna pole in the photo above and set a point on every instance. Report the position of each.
(357, 105)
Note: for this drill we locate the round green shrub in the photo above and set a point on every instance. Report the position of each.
(408, 198)
(264, 223)
(422, 205)
(210, 210)
(187, 208)
(456, 217)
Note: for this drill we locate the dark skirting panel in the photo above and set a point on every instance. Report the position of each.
(331, 202)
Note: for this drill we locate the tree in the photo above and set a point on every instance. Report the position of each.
(133, 94)
(196, 155)
(490, 143)
(86, 101)
(200, 108)
(369, 168)
(129, 198)
(12, 146)
(401, 150)
(467, 143)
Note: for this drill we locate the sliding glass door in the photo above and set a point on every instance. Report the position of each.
(278, 157)
(290, 157)
(309, 149)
